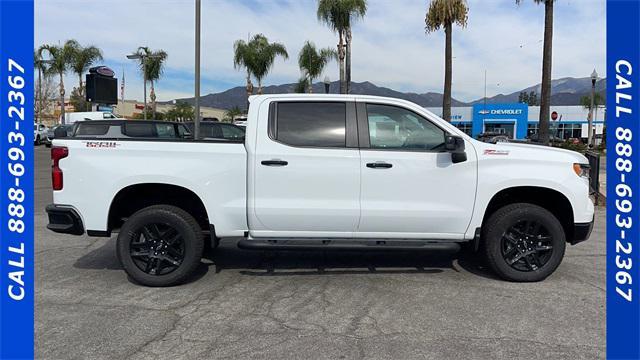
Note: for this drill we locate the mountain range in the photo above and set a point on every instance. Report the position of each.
(564, 91)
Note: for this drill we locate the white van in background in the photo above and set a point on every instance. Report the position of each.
(72, 117)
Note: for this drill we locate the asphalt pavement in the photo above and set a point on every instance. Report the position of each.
(311, 305)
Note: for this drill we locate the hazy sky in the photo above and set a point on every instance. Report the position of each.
(390, 47)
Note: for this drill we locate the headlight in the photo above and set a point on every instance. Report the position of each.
(582, 170)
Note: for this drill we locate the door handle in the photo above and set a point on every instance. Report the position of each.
(379, 165)
(274, 162)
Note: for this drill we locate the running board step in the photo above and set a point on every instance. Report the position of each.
(378, 245)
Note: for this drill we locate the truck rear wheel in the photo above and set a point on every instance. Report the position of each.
(160, 245)
(523, 242)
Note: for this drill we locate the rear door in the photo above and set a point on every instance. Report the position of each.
(306, 180)
(410, 186)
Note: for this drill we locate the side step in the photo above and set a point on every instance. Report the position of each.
(376, 245)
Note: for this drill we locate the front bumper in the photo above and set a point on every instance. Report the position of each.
(64, 220)
(581, 232)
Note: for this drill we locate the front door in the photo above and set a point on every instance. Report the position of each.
(410, 187)
(307, 171)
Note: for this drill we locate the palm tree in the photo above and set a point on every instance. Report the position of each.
(40, 64)
(339, 14)
(243, 56)
(83, 58)
(545, 93)
(443, 14)
(301, 86)
(60, 59)
(312, 62)
(231, 114)
(152, 63)
(265, 54)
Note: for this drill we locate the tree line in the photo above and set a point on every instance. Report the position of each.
(340, 15)
(256, 55)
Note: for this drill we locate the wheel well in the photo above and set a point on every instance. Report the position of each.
(136, 197)
(552, 200)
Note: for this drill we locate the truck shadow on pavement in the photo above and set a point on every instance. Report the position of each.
(300, 263)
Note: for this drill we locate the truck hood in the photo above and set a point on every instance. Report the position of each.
(540, 152)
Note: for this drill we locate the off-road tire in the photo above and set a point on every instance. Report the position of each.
(174, 217)
(503, 220)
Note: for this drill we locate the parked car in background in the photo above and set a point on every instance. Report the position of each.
(122, 129)
(218, 130)
(39, 133)
(240, 121)
(492, 138)
(552, 139)
(72, 117)
(52, 131)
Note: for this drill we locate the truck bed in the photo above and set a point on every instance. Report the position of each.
(96, 170)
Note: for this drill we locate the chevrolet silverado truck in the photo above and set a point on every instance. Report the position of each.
(323, 172)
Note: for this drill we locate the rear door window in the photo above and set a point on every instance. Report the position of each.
(316, 124)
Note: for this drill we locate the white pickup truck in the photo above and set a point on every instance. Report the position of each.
(323, 172)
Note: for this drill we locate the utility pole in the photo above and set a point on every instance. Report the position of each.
(594, 78)
(196, 129)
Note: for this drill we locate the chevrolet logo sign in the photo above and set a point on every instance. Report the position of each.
(484, 112)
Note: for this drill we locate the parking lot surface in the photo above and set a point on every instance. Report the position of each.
(311, 305)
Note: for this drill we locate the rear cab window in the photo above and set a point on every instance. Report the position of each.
(166, 131)
(89, 129)
(134, 129)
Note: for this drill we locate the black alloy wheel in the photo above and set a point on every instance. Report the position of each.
(527, 245)
(157, 249)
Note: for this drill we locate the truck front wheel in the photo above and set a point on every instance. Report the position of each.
(160, 245)
(523, 242)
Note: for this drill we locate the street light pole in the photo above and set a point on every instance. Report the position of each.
(144, 80)
(196, 129)
(594, 78)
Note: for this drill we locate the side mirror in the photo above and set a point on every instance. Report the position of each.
(455, 145)
(60, 132)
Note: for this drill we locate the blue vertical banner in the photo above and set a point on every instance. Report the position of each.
(623, 180)
(16, 179)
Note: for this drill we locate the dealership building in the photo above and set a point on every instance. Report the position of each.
(519, 121)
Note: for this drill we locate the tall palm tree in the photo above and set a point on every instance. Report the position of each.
(41, 65)
(443, 14)
(243, 56)
(83, 58)
(312, 62)
(265, 54)
(152, 63)
(339, 15)
(60, 60)
(545, 93)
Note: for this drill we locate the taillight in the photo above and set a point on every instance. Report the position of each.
(57, 153)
